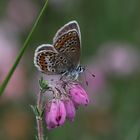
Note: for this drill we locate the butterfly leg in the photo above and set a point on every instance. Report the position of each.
(63, 75)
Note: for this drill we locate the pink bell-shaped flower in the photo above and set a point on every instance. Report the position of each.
(55, 114)
(78, 95)
(70, 109)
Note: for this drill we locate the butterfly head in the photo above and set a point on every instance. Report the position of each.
(80, 69)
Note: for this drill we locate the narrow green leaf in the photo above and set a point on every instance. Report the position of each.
(43, 85)
(35, 110)
(25, 45)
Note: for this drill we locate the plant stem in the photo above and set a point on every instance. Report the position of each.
(40, 129)
(39, 118)
(25, 45)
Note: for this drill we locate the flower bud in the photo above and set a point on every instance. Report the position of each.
(70, 109)
(55, 114)
(78, 95)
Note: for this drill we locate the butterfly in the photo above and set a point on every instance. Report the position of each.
(63, 56)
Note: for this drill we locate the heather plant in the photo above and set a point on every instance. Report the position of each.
(57, 101)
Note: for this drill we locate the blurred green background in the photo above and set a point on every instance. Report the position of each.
(110, 49)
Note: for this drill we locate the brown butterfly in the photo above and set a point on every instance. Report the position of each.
(63, 56)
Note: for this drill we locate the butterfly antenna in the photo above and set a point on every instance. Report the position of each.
(85, 79)
(93, 75)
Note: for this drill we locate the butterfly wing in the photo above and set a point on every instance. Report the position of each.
(66, 28)
(49, 61)
(68, 45)
(64, 54)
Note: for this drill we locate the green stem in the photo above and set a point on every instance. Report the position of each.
(39, 119)
(25, 45)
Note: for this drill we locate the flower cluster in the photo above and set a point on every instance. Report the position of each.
(67, 97)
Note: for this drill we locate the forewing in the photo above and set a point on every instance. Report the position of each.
(67, 27)
(68, 45)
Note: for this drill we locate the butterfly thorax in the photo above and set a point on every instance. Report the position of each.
(73, 74)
